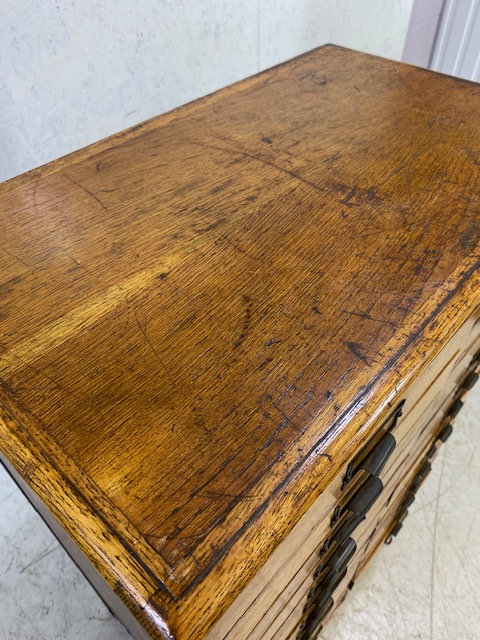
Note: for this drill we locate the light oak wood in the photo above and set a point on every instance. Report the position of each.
(371, 534)
(203, 319)
(257, 611)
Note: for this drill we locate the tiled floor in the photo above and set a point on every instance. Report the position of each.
(425, 586)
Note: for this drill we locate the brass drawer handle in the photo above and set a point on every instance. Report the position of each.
(329, 583)
(470, 381)
(409, 499)
(432, 451)
(326, 579)
(394, 533)
(314, 621)
(339, 558)
(344, 531)
(422, 473)
(378, 456)
(365, 497)
(327, 586)
(398, 524)
(455, 408)
(401, 515)
(421, 476)
(445, 433)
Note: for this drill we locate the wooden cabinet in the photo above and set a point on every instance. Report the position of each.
(234, 337)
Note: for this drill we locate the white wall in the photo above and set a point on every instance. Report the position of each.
(75, 71)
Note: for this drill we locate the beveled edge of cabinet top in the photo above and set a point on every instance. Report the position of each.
(186, 596)
(192, 615)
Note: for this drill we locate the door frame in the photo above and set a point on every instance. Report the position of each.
(422, 32)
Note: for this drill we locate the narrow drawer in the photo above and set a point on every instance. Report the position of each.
(271, 607)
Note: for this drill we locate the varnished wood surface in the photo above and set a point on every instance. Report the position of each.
(202, 316)
(258, 611)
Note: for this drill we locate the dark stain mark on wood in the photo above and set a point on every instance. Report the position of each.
(475, 157)
(199, 420)
(29, 470)
(356, 197)
(246, 322)
(470, 237)
(263, 364)
(266, 140)
(221, 187)
(332, 158)
(212, 226)
(231, 410)
(349, 196)
(137, 127)
(367, 316)
(8, 286)
(313, 77)
(356, 349)
(272, 341)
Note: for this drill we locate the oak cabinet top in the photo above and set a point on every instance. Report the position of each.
(200, 315)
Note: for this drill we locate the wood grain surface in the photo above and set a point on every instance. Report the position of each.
(202, 317)
(275, 591)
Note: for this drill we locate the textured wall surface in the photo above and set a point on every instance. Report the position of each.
(74, 72)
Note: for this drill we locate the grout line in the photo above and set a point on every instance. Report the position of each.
(434, 545)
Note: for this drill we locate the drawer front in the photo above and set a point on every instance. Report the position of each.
(344, 555)
(276, 602)
(442, 434)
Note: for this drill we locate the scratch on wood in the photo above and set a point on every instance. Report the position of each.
(76, 261)
(252, 156)
(367, 316)
(18, 259)
(287, 418)
(92, 195)
(147, 340)
(239, 249)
